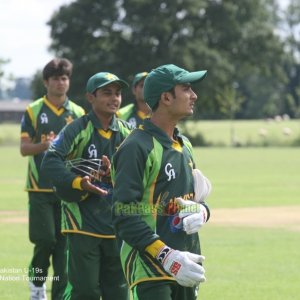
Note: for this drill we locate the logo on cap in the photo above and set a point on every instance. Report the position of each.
(110, 76)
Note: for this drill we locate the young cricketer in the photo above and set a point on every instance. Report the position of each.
(135, 113)
(94, 265)
(42, 121)
(159, 195)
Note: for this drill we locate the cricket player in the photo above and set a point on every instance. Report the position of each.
(42, 120)
(136, 112)
(159, 196)
(94, 265)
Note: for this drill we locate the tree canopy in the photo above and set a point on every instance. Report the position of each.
(236, 41)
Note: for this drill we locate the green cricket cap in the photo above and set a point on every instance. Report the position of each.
(164, 78)
(138, 77)
(102, 79)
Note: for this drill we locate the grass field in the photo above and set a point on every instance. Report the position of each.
(215, 133)
(246, 132)
(241, 262)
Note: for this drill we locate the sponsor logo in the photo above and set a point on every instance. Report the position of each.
(163, 254)
(175, 267)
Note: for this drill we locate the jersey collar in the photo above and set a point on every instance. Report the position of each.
(160, 135)
(114, 126)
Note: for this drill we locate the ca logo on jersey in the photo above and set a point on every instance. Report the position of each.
(92, 151)
(169, 171)
(44, 118)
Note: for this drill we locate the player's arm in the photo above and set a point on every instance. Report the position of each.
(28, 133)
(128, 169)
(69, 186)
(28, 147)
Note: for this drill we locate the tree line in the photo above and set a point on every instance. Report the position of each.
(249, 47)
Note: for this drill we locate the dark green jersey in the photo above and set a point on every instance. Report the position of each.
(149, 171)
(39, 119)
(84, 213)
(133, 116)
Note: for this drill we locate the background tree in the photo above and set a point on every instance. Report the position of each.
(234, 40)
(2, 76)
(292, 62)
(37, 86)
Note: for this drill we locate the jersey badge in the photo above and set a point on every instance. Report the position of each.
(44, 118)
(92, 151)
(170, 171)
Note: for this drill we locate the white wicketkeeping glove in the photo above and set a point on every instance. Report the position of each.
(193, 215)
(183, 266)
(202, 186)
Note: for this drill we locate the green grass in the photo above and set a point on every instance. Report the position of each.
(10, 134)
(15, 255)
(250, 264)
(12, 178)
(241, 263)
(216, 133)
(245, 132)
(247, 177)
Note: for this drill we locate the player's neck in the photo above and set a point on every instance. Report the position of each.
(104, 119)
(56, 101)
(164, 122)
(143, 107)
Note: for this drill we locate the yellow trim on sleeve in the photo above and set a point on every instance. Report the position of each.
(25, 135)
(104, 236)
(31, 116)
(76, 184)
(154, 248)
(151, 279)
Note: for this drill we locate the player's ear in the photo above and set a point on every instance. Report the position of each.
(45, 82)
(166, 98)
(89, 97)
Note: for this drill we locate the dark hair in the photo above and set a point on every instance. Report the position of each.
(172, 91)
(57, 67)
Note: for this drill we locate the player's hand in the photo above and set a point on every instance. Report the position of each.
(87, 185)
(105, 166)
(192, 214)
(51, 136)
(202, 186)
(183, 266)
(47, 142)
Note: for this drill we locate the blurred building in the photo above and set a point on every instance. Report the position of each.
(12, 111)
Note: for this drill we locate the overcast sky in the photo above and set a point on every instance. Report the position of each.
(24, 35)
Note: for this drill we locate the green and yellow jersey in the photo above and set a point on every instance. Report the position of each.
(39, 119)
(133, 116)
(83, 212)
(149, 171)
